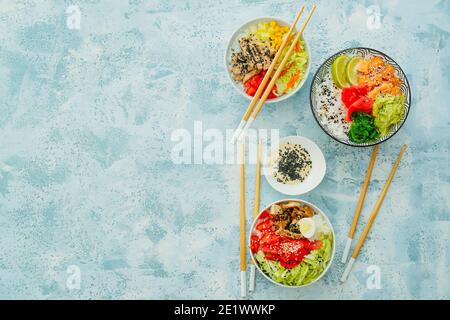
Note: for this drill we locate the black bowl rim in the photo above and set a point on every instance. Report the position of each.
(317, 120)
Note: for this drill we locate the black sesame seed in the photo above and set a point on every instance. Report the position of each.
(294, 163)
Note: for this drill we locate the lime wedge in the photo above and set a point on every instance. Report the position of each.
(338, 71)
(351, 71)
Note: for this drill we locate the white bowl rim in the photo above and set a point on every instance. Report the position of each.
(240, 90)
(277, 185)
(316, 208)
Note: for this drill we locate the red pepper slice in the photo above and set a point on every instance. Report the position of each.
(251, 91)
(254, 243)
(265, 225)
(264, 215)
(270, 238)
(252, 85)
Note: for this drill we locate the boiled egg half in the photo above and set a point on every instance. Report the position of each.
(307, 227)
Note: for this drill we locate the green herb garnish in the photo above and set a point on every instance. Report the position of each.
(362, 128)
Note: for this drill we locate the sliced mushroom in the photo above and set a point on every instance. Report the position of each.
(297, 214)
(276, 210)
(290, 205)
(287, 233)
(308, 211)
(281, 224)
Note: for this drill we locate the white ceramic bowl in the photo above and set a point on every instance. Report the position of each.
(316, 209)
(314, 178)
(233, 43)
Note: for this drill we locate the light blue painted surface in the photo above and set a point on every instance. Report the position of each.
(86, 177)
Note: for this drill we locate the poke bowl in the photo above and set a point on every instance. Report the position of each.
(250, 52)
(360, 97)
(292, 243)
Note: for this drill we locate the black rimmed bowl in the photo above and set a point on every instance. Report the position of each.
(338, 130)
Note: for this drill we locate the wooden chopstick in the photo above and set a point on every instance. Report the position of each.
(373, 216)
(266, 78)
(359, 205)
(243, 247)
(256, 210)
(258, 182)
(277, 74)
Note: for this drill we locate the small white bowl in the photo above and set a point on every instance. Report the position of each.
(316, 209)
(233, 43)
(314, 178)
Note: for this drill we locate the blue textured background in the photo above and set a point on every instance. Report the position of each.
(85, 172)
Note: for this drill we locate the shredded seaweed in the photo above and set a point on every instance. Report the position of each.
(362, 128)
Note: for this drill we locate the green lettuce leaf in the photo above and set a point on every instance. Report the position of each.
(296, 65)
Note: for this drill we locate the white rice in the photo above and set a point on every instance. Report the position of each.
(330, 109)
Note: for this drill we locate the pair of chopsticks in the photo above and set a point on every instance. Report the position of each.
(252, 112)
(243, 246)
(373, 215)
